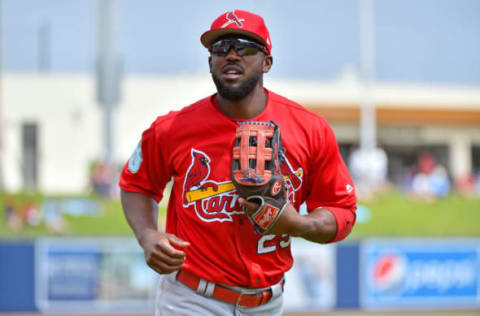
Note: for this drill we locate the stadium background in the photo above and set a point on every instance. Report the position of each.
(60, 149)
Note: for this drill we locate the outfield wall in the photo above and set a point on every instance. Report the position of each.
(92, 275)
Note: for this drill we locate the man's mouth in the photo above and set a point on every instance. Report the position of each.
(232, 72)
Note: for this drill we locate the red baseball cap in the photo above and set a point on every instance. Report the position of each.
(238, 22)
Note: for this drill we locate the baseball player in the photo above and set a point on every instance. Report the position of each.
(242, 160)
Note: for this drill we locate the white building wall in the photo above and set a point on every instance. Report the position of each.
(145, 98)
(71, 123)
(68, 129)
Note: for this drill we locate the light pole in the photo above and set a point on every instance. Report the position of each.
(368, 121)
(107, 72)
(368, 163)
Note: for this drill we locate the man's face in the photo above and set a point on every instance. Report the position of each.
(236, 76)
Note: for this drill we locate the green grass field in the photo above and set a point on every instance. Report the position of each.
(392, 215)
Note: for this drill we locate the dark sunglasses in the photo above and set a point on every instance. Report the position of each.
(242, 47)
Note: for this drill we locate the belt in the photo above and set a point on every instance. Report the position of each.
(245, 298)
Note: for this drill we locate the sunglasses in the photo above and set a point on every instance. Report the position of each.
(242, 47)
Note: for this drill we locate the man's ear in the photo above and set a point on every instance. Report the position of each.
(267, 63)
(210, 63)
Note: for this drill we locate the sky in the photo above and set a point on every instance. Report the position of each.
(429, 41)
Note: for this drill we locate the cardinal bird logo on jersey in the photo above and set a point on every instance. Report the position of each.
(217, 201)
(212, 201)
(197, 174)
(198, 171)
(293, 178)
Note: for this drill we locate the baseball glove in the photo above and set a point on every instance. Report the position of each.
(256, 175)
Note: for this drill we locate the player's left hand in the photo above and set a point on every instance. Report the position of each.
(256, 175)
(289, 221)
(318, 225)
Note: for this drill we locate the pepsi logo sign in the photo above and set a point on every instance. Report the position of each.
(389, 272)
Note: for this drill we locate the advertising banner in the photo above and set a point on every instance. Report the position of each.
(420, 273)
(311, 283)
(92, 275)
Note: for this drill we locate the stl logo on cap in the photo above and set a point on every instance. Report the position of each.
(238, 22)
(232, 18)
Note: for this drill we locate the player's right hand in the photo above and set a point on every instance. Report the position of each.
(160, 251)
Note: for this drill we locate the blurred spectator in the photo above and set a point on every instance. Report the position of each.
(430, 180)
(12, 219)
(102, 176)
(9, 208)
(466, 185)
(54, 221)
(369, 171)
(439, 181)
(30, 214)
(408, 176)
(421, 185)
(426, 163)
(477, 185)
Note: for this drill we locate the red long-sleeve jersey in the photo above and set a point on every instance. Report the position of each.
(194, 146)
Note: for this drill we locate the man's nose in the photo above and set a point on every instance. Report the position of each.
(232, 54)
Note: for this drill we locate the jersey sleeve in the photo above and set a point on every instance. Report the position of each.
(331, 186)
(147, 170)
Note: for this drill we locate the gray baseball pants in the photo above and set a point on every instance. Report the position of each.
(176, 299)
